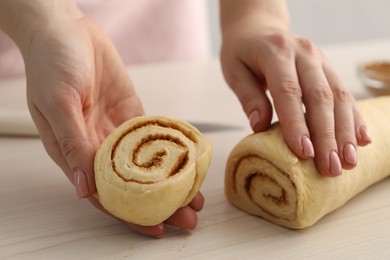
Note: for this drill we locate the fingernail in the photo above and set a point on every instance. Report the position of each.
(365, 135)
(350, 154)
(81, 183)
(335, 164)
(254, 119)
(160, 231)
(307, 147)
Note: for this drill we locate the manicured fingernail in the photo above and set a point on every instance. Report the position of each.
(307, 147)
(254, 118)
(160, 231)
(365, 135)
(335, 164)
(81, 183)
(350, 154)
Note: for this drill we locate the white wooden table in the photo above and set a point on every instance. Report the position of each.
(41, 217)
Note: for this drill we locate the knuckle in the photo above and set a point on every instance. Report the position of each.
(238, 87)
(326, 134)
(341, 94)
(233, 81)
(291, 88)
(246, 101)
(69, 147)
(307, 45)
(249, 101)
(322, 94)
(345, 129)
(280, 41)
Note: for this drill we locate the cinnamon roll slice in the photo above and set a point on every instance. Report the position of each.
(149, 167)
(264, 178)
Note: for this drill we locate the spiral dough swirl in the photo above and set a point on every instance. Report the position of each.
(266, 186)
(155, 156)
(149, 167)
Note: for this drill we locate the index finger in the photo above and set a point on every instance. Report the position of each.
(282, 81)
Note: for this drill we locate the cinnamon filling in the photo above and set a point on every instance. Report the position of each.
(158, 157)
(252, 186)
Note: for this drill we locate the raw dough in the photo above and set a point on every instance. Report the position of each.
(264, 178)
(149, 167)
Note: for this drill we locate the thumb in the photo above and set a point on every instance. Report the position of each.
(76, 145)
(79, 156)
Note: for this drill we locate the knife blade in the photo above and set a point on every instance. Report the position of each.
(207, 127)
(19, 123)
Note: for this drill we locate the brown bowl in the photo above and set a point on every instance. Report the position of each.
(375, 76)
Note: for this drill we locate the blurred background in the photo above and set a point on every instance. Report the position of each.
(325, 22)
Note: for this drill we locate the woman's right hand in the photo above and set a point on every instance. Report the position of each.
(78, 91)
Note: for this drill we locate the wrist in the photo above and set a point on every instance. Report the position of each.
(247, 14)
(21, 19)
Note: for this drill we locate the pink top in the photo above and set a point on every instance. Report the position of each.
(143, 31)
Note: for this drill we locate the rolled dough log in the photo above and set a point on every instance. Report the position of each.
(149, 167)
(264, 178)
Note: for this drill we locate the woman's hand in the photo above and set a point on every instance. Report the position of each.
(78, 91)
(318, 115)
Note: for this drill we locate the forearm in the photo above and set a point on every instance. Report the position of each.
(272, 13)
(20, 18)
